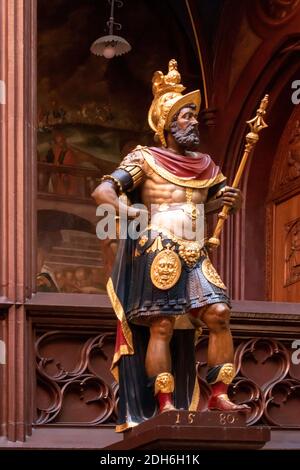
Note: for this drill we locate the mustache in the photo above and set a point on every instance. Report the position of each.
(192, 129)
(188, 137)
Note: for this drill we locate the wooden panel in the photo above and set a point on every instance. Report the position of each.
(72, 384)
(286, 253)
(73, 380)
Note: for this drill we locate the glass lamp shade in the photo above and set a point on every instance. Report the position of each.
(109, 46)
(109, 51)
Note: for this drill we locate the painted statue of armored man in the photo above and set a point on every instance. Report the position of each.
(163, 285)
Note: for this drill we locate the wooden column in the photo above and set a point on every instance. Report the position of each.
(17, 214)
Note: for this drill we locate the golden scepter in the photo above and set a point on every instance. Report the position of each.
(256, 125)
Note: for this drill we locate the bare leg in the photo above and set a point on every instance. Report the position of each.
(158, 356)
(220, 352)
(158, 361)
(220, 345)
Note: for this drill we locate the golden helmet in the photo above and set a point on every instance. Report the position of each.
(168, 99)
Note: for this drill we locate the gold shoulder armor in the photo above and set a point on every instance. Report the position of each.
(135, 157)
(133, 163)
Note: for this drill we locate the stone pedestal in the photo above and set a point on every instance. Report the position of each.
(184, 430)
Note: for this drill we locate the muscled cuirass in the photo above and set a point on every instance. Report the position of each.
(171, 205)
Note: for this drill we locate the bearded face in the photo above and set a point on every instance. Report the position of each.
(184, 129)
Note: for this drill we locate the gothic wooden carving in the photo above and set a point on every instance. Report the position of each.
(286, 167)
(282, 401)
(262, 360)
(291, 170)
(278, 10)
(269, 249)
(292, 253)
(244, 390)
(75, 386)
(266, 14)
(266, 380)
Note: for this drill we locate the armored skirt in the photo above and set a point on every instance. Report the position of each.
(170, 276)
(158, 275)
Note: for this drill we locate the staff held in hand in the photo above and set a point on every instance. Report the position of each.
(256, 125)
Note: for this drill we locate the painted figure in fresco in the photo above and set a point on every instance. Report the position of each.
(163, 285)
(61, 154)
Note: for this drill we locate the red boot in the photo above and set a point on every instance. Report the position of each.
(165, 402)
(219, 400)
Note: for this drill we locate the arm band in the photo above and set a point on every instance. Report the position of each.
(216, 190)
(126, 178)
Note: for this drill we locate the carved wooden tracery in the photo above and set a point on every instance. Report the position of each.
(292, 253)
(286, 170)
(266, 380)
(75, 386)
(278, 11)
(291, 169)
(266, 14)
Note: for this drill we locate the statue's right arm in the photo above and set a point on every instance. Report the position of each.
(124, 179)
(106, 193)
